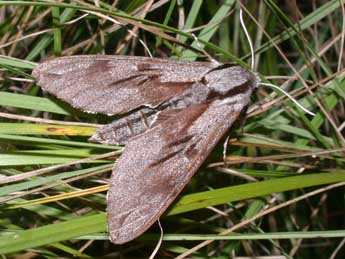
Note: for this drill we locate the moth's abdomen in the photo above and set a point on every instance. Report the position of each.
(120, 131)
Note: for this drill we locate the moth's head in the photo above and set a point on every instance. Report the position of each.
(226, 79)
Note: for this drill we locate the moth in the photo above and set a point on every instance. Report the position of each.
(173, 115)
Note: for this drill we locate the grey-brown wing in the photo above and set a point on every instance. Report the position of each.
(156, 165)
(117, 84)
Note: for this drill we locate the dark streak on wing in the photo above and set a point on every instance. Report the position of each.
(192, 150)
(164, 158)
(117, 84)
(179, 141)
(125, 79)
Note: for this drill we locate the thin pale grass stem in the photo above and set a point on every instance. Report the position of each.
(62, 196)
(227, 212)
(133, 32)
(342, 126)
(23, 176)
(209, 24)
(237, 174)
(203, 51)
(20, 30)
(181, 15)
(281, 77)
(19, 79)
(25, 37)
(312, 218)
(77, 19)
(342, 36)
(120, 24)
(338, 249)
(262, 18)
(56, 183)
(28, 118)
(284, 156)
(111, 29)
(217, 211)
(159, 243)
(225, 147)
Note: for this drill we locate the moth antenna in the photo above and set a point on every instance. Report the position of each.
(203, 51)
(252, 67)
(248, 38)
(159, 241)
(290, 97)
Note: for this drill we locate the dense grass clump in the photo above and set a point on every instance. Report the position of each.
(281, 191)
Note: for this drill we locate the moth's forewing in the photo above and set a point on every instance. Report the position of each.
(116, 84)
(156, 165)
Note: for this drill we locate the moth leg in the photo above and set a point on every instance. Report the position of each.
(238, 124)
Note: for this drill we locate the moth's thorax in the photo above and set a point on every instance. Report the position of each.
(226, 80)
